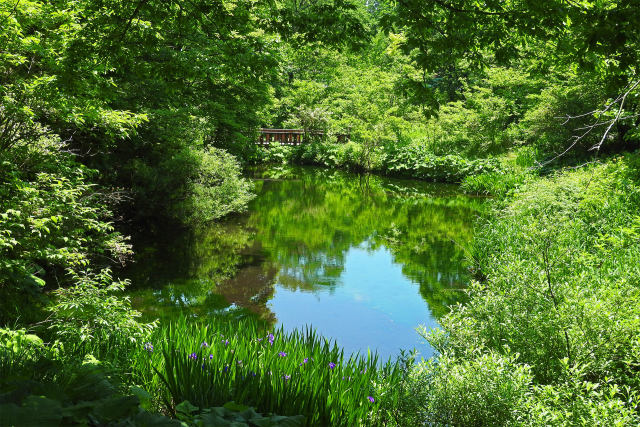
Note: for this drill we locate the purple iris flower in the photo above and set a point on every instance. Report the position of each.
(148, 347)
(282, 354)
(371, 399)
(211, 357)
(271, 338)
(204, 344)
(193, 356)
(332, 365)
(286, 377)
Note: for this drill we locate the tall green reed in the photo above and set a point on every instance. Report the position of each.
(284, 373)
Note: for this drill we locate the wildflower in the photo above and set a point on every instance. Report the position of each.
(371, 399)
(286, 377)
(204, 344)
(282, 354)
(253, 374)
(193, 356)
(271, 338)
(306, 359)
(149, 347)
(225, 342)
(332, 365)
(211, 357)
(226, 368)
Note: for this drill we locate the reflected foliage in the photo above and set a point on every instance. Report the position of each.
(177, 270)
(297, 234)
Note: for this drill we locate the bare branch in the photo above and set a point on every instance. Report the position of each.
(619, 101)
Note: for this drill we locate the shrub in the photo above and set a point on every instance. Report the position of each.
(216, 190)
(416, 161)
(560, 265)
(91, 310)
(488, 389)
(412, 161)
(574, 400)
(545, 125)
(190, 185)
(52, 220)
(500, 182)
(553, 259)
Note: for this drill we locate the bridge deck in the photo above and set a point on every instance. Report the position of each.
(291, 136)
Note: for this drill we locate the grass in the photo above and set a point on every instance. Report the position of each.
(297, 373)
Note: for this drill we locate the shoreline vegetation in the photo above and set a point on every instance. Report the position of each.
(127, 114)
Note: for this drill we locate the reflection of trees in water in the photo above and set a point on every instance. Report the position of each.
(298, 234)
(251, 288)
(178, 270)
(307, 226)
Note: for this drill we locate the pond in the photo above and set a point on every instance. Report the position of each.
(362, 259)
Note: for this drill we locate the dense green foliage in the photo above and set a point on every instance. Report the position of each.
(289, 374)
(42, 385)
(554, 323)
(139, 113)
(415, 161)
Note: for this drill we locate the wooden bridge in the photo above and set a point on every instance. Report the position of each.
(293, 136)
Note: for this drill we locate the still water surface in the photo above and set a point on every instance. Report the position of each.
(363, 260)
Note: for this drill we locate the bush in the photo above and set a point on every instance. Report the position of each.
(52, 220)
(416, 161)
(574, 400)
(545, 125)
(516, 169)
(412, 161)
(493, 183)
(189, 185)
(91, 310)
(488, 389)
(560, 265)
(216, 190)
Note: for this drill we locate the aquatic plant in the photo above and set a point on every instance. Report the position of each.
(298, 373)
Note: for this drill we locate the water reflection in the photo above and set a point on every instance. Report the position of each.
(362, 259)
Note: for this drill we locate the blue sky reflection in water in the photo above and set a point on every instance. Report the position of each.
(372, 302)
(362, 260)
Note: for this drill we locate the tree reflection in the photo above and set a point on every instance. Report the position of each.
(297, 234)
